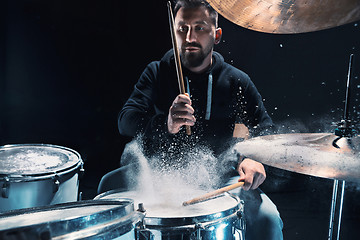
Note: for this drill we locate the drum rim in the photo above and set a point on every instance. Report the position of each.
(24, 177)
(110, 217)
(182, 221)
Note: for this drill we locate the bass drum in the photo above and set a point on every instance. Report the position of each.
(89, 219)
(219, 218)
(34, 175)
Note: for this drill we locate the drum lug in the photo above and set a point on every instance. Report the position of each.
(81, 172)
(242, 223)
(5, 188)
(199, 227)
(240, 215)
(80, 196)
(56, 183)
(142, 233)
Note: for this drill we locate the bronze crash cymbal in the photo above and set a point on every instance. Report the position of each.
(295, 16)
(307, 153)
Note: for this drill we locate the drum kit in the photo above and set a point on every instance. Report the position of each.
(39, 182)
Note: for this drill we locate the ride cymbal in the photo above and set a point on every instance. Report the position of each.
(289, 16)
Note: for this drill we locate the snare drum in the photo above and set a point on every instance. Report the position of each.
(91, 219)
(34, 175)
(218, 218)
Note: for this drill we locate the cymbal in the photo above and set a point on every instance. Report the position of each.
(287, 17)
(307, 153)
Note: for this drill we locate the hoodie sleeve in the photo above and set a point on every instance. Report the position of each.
(138, 114)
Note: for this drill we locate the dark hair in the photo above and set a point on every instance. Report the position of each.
(194, 4)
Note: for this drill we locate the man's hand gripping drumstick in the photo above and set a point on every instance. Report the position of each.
(180, 114)
(252, 175)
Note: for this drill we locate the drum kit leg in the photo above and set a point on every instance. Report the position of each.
(335, 222)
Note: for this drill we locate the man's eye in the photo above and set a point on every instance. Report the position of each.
(183, 29)
(200, 28)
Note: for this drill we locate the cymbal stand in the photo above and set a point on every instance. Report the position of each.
(333, 211)
(344, 130)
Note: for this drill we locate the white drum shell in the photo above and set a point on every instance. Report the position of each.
(39, 192)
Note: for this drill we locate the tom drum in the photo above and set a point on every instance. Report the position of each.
(89, 219)
(166, 218)
(34, 175)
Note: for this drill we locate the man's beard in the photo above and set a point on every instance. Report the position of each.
(194, 59)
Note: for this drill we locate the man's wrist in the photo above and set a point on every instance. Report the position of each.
(241, 158)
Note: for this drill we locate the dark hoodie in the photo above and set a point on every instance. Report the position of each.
(234, 99)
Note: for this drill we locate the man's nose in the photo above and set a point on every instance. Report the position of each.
(191, 35)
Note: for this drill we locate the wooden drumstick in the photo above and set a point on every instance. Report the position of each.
(177, 57)
(210, 195)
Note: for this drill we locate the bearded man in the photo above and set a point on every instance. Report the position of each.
(219, 97)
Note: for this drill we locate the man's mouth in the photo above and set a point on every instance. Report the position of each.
(192, 49)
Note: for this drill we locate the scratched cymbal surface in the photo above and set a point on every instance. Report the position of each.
(307, 153)
(289, 16)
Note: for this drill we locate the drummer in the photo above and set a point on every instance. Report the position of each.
(219, 96)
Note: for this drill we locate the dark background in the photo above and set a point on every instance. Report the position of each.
(67, 67)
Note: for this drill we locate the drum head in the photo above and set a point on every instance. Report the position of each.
(167, 210)
(36, 159)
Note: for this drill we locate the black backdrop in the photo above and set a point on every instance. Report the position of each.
(67, 67)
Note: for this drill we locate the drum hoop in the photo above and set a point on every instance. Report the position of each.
(40, 176)
(88, 222)
(61, 206)
(183, 221)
